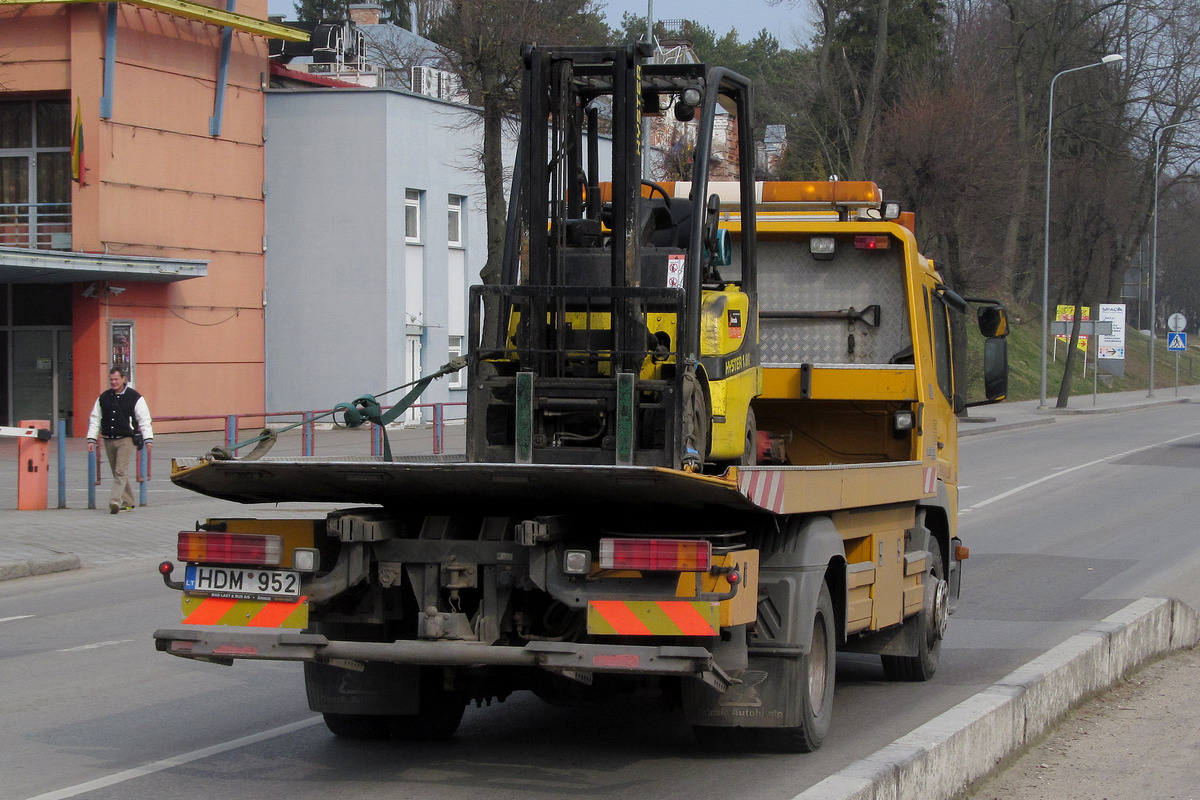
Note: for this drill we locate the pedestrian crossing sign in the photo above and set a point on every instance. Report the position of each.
(1177, 342)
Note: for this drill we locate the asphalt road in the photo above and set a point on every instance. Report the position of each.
(1066, 523)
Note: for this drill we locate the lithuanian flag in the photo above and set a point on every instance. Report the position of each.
(77, 167)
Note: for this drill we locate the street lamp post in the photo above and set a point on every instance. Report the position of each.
(1108, 59)
(1154, 241)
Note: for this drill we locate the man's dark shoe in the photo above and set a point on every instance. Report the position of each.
(113, 507)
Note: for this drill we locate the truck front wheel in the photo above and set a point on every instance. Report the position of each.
(931, 628)
(814, 694)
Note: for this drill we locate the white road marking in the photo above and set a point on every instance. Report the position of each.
(93, 646)
(1069, 470)
(175, 761)
(11, 619)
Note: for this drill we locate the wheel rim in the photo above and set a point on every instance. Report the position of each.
(818, 664)
(936, 608)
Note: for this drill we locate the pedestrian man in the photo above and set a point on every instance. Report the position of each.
(122, 418)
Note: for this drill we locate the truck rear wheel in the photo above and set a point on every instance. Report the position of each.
(357, 726)
(814, 695)
(440, 714)
(931, 628)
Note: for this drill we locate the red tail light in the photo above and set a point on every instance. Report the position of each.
(230, 548)
(676, 555)
(872, 242)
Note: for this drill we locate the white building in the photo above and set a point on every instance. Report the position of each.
(374, 209)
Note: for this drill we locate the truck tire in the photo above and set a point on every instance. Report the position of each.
(931, 628)
(357, 726)
(815, 692)
(440, 714)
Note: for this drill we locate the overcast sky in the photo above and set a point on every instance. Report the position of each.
(747, 16)
(750, 16)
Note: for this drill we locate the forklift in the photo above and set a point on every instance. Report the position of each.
(625, 328)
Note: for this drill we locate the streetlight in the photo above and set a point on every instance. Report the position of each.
(1108, 59)
(1154, 240)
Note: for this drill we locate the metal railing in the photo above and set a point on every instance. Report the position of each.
(310, 423)
(38, 226)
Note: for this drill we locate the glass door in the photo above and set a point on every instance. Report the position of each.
(33, 375)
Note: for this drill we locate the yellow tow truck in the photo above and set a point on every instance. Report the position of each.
(711, 442)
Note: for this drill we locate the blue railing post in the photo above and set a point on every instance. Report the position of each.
(62, 463)
(308, 445)
(231, 430)
(93, 477)
(143, 474)
(376, 440)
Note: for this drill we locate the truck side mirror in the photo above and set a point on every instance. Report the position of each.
(993, 321)
(995, 368)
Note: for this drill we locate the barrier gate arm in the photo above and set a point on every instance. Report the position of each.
(41, 434)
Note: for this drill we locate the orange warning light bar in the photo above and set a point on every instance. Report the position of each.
(832, 193)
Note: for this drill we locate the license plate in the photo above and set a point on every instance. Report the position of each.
(241, 583)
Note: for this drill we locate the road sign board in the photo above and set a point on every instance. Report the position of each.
(1086, 327)
(1177, 342)
(1176, 322)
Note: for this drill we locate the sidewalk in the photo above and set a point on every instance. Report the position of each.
(58, 539)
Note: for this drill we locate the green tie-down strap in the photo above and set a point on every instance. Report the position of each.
(368, 409)
(365, 409)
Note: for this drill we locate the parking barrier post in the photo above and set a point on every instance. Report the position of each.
(62, 463)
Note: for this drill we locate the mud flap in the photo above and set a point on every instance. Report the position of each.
(766, 697)
(379, 688)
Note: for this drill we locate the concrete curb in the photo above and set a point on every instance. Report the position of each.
(967, 427)
(1086, 409)
(944, 756)
(38, 566)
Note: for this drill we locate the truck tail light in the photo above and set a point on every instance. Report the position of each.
(676, 555)
(230, 548)
(872, 242)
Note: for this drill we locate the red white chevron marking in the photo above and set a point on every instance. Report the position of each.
(763, 487)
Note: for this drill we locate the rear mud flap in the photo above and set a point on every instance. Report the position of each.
(765, 695)
(378, 688)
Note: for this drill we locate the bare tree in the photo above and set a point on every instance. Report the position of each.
(481, 42)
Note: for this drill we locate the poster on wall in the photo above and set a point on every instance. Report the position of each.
(120, 352)
(1111, 346)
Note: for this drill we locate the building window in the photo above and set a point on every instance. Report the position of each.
(454, 221)
(412, 215)
(456, 380)
(35, 174)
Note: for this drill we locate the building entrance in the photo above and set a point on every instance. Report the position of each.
(36, 353)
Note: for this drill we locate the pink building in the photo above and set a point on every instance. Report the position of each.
(131, 207)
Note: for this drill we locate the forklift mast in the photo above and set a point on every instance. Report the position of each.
(595, 353)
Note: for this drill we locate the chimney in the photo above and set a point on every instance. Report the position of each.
(365, 13)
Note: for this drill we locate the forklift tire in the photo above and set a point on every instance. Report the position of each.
(749, 456)
(357, 726)
(931, 628)
(815, 692)
(695, 423)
